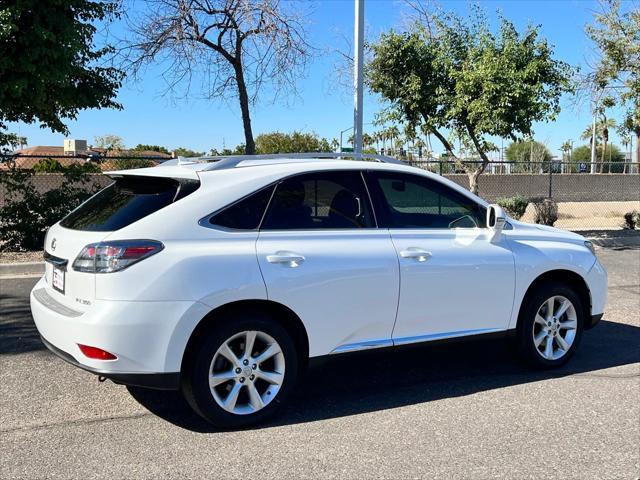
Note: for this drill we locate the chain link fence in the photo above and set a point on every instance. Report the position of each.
(585, 201)
(36, 191)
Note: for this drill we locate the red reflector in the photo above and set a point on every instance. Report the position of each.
(136, 252)
(96, 353)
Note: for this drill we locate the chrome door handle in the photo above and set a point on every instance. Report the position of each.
(286, 258)
(417, 253)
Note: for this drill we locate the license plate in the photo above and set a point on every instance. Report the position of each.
(57, 280)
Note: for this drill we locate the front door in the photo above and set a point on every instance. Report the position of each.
(454, 280)
(321, 255)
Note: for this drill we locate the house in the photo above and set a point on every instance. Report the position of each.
(76, 152)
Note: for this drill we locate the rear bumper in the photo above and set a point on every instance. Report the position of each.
(148, 338)
(158, 381)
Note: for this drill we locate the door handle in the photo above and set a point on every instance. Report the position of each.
(286, 258)
(417, 253)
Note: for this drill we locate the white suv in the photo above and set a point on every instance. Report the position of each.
(224, 276)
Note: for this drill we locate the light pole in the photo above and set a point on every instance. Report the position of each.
(358, 61)
(346, 130)
(341, 132)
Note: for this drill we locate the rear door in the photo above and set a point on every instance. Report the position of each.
(321, 255)
(454, 280)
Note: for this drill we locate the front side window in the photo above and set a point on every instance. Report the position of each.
(323, 200)
(412, 201)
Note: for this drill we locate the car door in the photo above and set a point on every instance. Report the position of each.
(454, 280)
(321, 255)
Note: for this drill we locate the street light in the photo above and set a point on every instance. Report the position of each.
(350, 128)
(358, 61)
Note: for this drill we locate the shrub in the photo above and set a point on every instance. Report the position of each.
(27, 212)
(129, 163)
(51, 165)
(515, 206)
(546, 211)
(631, 220)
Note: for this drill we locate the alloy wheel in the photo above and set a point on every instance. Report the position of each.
(555, 327)
(246, 372)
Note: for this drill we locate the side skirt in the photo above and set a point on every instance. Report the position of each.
(423, 341)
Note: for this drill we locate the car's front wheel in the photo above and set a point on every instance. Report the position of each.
(550, 326)
(241, 372)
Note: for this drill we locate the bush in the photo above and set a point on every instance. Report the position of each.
(631, 220)
(129, 163)
(515, 206)
(50, 165)
(546, 211)
(27, 213)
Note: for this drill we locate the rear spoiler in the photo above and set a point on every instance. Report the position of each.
(168, 171)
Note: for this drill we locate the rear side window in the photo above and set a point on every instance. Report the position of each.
(125, 201)
(245, 214)
(322, 200)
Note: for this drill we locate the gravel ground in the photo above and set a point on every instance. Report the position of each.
(20, 257)
(460, 411)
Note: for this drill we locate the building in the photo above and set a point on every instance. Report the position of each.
(76, 152)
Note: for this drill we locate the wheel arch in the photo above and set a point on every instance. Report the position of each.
(279, 312)
(571, 278)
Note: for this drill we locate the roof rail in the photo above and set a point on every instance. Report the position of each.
(231, 161)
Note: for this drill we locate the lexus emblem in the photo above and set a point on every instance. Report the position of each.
(53, 244)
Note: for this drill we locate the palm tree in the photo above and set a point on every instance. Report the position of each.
(392, 135)
(603, 125)
(625, 139)
(566, 150)
(367, 140)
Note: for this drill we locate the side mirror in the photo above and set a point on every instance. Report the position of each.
(496, 218)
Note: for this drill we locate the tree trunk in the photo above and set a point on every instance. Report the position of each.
(636, 130)
(473, 180)
(250, 146)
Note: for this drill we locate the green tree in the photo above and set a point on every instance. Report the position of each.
(279, 142)
(530, 152)
(616, 35)
(109, 142)
(154, 148)
(51, 165)
(185, 152)
(48, 70)
(459, 76)
(614, 158)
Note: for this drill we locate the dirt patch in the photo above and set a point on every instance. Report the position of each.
(20, 257)
(588, 215)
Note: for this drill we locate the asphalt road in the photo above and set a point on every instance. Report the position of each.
(457, 411)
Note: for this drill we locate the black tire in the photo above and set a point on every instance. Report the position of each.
(525, 333)
(195, 375)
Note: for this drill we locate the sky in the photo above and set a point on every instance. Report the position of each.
(321, 106)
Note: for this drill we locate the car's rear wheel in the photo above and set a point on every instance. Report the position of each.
(550, 325)
(241, 372)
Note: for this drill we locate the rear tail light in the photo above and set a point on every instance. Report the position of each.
(96, 353)
(107, 257)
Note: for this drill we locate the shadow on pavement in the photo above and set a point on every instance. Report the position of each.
(18, 333)
(372, 381)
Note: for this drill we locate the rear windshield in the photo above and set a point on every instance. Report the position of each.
(125, 201)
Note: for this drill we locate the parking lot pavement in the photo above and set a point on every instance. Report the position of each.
(463, 410)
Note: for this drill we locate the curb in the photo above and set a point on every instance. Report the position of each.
(616, 242)
(24, 268)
